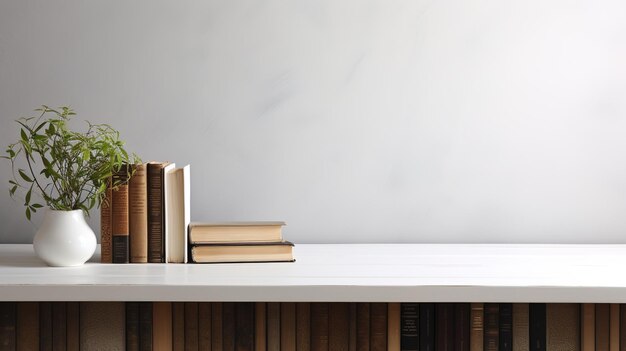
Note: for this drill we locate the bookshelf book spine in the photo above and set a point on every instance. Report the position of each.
(8, 322)
(156, 229)
(216, 325)
(492, 326)
(319, 326)
(520, 327)
(273, 326)
(537, 326)
(178, 326)
(409, 327)
(106, 239)
(73, 326)
(363, 326)
(27, 326)
(59, 326)
(162, 326)
(444, 330)
(288, 326)
(603, 322)
(204, 325)
(427, 327)
(145, 326)
(228, 326)
(303, 326)
(462, 326)
(477, 323)
(563, 327)
(260, 326)
(614, 344)
(244, 326)
(138, 214)
(588, 327)
(132, 326)
(119, 214)
(393, 326)
(191, 326)
(45, 326)
(506, 327)
(622, 326)
(378, 325)
(338, 326)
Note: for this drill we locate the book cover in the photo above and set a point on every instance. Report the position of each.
(138, 214)
(319, 326)
(177, 205)
(303, 326)
(191, 326)
(505, 334)
(106, 221)
(27, 337)
(444, 327)
(178, 326)
(8, 323)
(288, 326)
(363, 326)
(216, 324)
(156, 212)
(233, 232)
(603, 322)
(563, 326)
(243, 252)
(162, 327)
(339, 326)
(491, 326)
(393, 326)
(260, 326)
(244, 326)
(132, 326)
(409, 327)
(427, 327)
(45, 326)
(537, 326)
(273, 326)
(73, 326)
(462, 326)
(145, 326)
(204, 325)
(378, 326)
(520, 327)
(120, 228)
(588, 327)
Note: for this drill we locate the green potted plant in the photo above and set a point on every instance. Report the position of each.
(68, 172)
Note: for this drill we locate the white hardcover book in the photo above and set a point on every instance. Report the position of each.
(178, 214)
(166, 208)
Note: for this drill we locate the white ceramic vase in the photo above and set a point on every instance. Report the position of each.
(64, 239)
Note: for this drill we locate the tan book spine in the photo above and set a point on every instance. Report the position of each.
(588, 327)
(216, 324)
(119, 213)
(562, 326)
(106, 239)
(178, 326)
(273, 326)
(614, 342)
(520, 327)
(138, 214)
(603, 320)
(288, 326)
(102, 326)
(27, 326)
(477, 318)
(260, 328)
(204, 325)
(162, 326)
(303, 326)
(393, 327)
(73, 326)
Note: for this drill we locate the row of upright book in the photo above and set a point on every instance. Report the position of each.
(146, 219)
(315, 326)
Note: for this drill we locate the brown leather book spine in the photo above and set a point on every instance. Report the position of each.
(73, 326)
(8, 324)
(138, 214)
(59, 326)
(260, 326)
(145, 326)
(444, 329)
(303, 326)
(204, 326)
(492, 326)
(339, 326)
(520, 327)
(244, 326)
(106, 239)
(393, 326)
(614, 328)
(288, 326)
(162, 326)
(462, 326)
(505, 334)
(191, 326)
(156, 220)
(27, 326)
(119, 214)
(228, 326)
(477, 320)
(319, 326)
(622, 327)
(216, 324)
(132, 326)
(363, 326)
(178, 326)
(45, 326)
(352, 326)
(378, 326)
(588, 327)
(273, 326)
(563, 327)
(603, 319)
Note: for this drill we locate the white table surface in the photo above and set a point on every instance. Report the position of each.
(361, 272)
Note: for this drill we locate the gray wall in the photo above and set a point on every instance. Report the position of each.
(354, 121)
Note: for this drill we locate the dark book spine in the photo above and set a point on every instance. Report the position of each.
(260, 327)
(537, 326)
(603, 322)
(119, 213)
(622, 327)
(204, 325)
(8, 323)
(427, 327)
(59, 326)
(178, 326)
(106, 239)
(339, 326)
(216, 326)
(132, 326)
(156, 227)
(73, 326)
(191, 326)
(506, 327)
(461, 326)
(45, 326)
(363, 326)
(27, 328)
(273, 326)
(409, 327)
(378, 326)
(492, 326)
(303, 326)
(244, 326)
(444, 330)
(145, 326)
(288, 326)
(228, 326)
(319, 326)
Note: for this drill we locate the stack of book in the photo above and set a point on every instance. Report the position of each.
(239, 242)
(145, 219)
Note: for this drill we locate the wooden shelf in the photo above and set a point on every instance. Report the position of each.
(361, 272)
